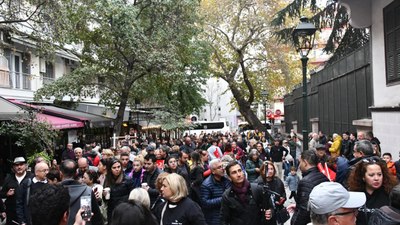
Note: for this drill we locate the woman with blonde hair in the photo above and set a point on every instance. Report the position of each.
(178, 209)
(107, 154)
(158, 184)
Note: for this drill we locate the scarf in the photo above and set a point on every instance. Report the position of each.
(241, 192)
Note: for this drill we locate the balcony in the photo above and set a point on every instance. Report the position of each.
(46, 79)
(20, 80)
(15, 80)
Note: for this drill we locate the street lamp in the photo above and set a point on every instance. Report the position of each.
(264, 94)
(137, 105)
(303, 38)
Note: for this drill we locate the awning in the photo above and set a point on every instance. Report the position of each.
(59, 123)
(9, 111)
(93, 120)
(100, 110)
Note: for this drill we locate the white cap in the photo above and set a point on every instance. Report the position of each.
(330, 196)
(18, 160)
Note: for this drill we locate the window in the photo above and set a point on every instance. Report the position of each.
(211, 125)
(48, 76)
(391, 14)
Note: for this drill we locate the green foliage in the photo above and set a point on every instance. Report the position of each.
(343, 39)
(30, 134)
(171, 120)
(245, 54)
(42, 154)
(144, 50)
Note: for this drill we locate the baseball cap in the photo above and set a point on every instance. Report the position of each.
(18, 160)
(330, 196)
(320, 147)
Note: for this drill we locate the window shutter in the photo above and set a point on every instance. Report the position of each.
(391, 18)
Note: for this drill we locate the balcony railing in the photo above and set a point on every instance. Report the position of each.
(20, 80)
(23, 81)
(47, 80)
(15, 80)
(4, 78)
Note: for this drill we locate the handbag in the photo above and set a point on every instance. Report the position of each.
(282, 215)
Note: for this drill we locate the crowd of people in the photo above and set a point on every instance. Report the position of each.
(228, 179)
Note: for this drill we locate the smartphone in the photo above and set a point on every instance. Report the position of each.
(86, 205)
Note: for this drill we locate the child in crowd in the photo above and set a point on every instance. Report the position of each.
(390, 164)
(292, 181)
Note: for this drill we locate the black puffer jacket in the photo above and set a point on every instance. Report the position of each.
(311, 178)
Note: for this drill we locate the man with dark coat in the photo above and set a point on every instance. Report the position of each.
(363, 149)
(68, 152)
(311, 178)
(68, 169)
(345, 143)
(150, 176)
(242, 202)
(188, 146)
(11, 185)
(27, 188)
(277, 154)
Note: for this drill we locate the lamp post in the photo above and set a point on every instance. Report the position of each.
(303, 38)
(137, 105)
(264, 94)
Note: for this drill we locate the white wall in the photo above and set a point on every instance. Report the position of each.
(386, 125)
(383, 95)
(36, 81)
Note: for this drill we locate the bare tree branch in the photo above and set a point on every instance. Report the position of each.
(29, 16)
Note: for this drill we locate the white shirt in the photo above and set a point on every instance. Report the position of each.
(19, 179)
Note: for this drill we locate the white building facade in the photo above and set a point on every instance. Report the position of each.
(384, 22)
(23, 71)
(219, 107)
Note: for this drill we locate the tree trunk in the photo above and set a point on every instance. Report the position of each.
(245, 110)
(120, 114)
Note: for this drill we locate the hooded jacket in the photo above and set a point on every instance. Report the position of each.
(76, 190)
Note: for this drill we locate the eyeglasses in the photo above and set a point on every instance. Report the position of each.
(354, 212)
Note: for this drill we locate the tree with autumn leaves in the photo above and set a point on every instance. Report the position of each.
(245, 52)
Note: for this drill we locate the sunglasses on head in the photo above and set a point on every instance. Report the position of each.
(371, 160)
